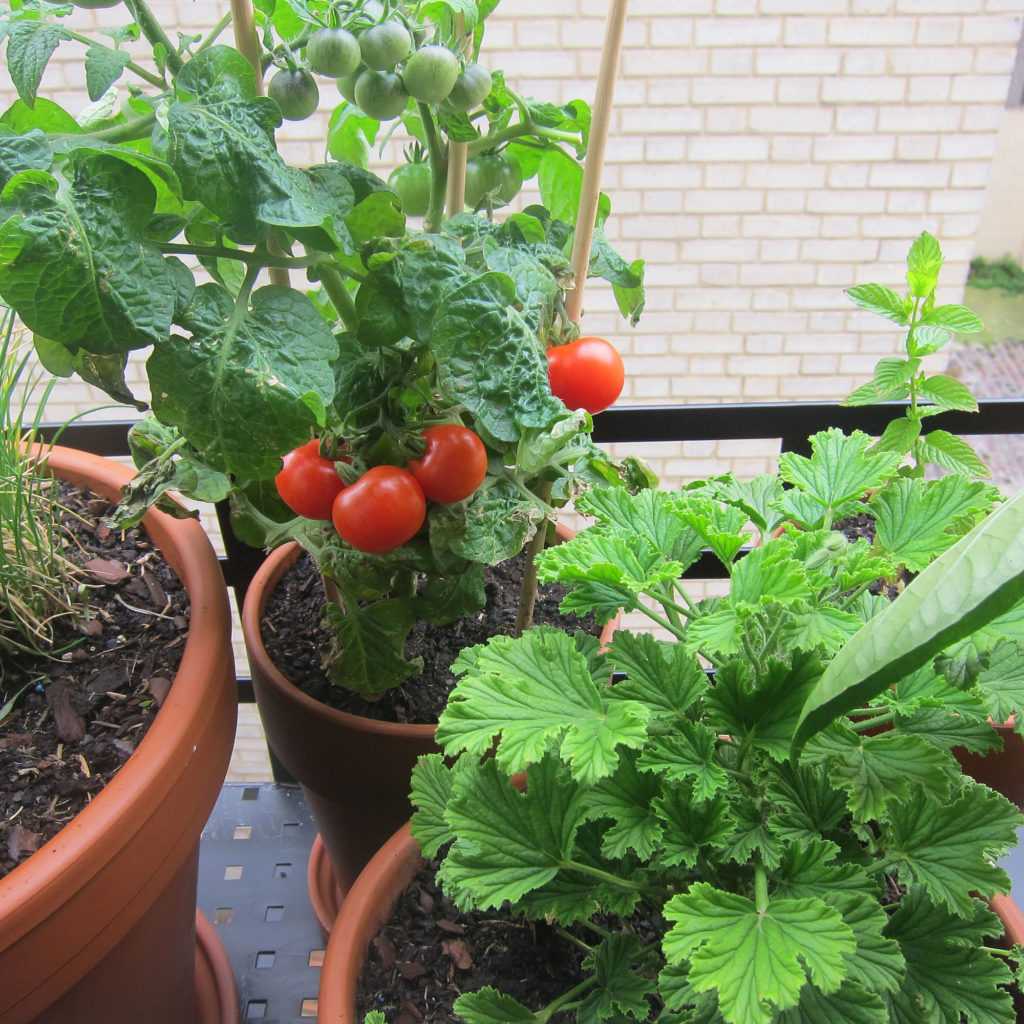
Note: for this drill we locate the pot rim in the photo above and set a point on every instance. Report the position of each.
(185, 734)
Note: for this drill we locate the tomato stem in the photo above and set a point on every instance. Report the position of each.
(137, 128)
(153, 31)
(438, 170)
(242, 255)
(212, 36)
(334, 285)
(146, 76)
(517, 131)
(528, 591)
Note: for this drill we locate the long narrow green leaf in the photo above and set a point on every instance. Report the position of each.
(973, 583)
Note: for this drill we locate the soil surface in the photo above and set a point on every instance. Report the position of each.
(429, 953)
(853, 528)
(296, 641)
(71, 732)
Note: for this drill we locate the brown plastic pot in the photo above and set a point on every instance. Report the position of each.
(100, 923)
(354, 771)
(1002, 770)
(371, 900)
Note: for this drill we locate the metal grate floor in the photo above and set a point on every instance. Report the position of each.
(252, 887)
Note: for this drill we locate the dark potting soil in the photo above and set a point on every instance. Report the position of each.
(854, 528)
(296, 641)
(429, 953)
(69, 734)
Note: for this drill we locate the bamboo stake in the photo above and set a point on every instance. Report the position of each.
(591, 191)
(247, 41)
(458, 152)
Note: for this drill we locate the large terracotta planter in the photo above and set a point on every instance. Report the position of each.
(354, 771)
(1003, 770)
(100, 924)
(371, 900)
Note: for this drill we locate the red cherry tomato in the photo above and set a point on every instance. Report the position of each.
(382, 510)
(586, 374)
(453, 466)
(309, 483)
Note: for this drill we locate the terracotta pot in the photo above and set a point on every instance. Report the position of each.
(1003, 770)
(100, 924)
(354, 771)
(371, 900)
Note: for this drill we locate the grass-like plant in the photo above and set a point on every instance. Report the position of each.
(36, 580)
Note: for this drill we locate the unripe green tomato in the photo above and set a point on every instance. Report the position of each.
(471, 88)
(385, 46)
(333, 52)
(412, 183)
(295, 92)
(430, 74)
(483, 175)
(347, 86)
(381, 95)
(511, 179)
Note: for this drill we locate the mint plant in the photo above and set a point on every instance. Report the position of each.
(897, 378)
(394, 332)
(786, 839)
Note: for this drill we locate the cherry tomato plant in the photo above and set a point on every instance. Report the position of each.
(151, 221)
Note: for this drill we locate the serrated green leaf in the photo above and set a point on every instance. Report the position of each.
(756, 961)
(924, 261)
(899, 436)
(753, 835)
(850, 1005)
(1001, 685)
(806, 806)
(949, 973)
(714, 632)
(948, 393)
(489, 1006)
(626, 799)
(810, 869)
(532, 692)
(763, 714)
(758, 498)
(877, 770)
(975, 582)
(951, 452)
(821, 627)
(690, 825)
(619, 988)
(368, 647)
(949, 847)
(958, 319)
(877, 965)
(30, 45)
(839, 470)
(431, 790)
(916, 520)
(877, 298)
(664, 676)
(75, 262)
(250, 384)
(509, 843)
(768, 573)
(891, 381)
(686, 755)
(720, 526)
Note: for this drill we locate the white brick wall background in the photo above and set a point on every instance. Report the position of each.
(765, 154)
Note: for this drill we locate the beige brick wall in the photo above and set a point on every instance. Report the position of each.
(764, 154)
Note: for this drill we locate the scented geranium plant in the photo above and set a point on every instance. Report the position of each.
(402, 374)
(769, 830)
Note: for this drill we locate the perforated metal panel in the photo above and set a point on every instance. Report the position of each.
(252, 886)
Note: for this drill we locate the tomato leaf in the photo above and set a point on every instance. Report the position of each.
(103, 67)
(29, 151)
(30, 45)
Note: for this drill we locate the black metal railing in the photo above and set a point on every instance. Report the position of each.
(791, 422)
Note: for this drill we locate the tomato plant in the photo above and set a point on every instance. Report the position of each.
(370, 328)
(454, 464)
(381, 511)
(308, 483)
(586, 374)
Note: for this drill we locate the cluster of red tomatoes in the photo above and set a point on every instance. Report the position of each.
(387, 505)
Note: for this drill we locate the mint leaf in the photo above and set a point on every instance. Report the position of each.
(949, 848)
(489, 1006)
(534, 691)
(626, 799)
(665, 676)
(951, 452)
(876, 298)
(916, 520)
(899, 436)
(690, 825)
(620, 989)
(756, 962)
(763, 714)
(75, 261)
(891, 381)
(877, 770)
(839, 471)
(509, 843)
(924, 261)
(949, 973)
(958, 319)
(251, 383)
(687, 754)
(948, 393)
